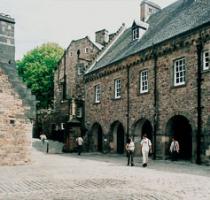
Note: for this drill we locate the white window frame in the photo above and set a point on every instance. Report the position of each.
(98, 93)
(86, 49)
(136, 33)
(206, 59)
(179, 72)
(117, 88)
(144, 83)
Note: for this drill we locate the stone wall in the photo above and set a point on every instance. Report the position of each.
(17, 105)
(68, 85)
(15, 128)
(173, 103)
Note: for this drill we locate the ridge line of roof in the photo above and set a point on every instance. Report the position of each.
(154, 44)
(103, 52)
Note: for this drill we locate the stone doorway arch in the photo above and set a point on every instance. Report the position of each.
(118, 137)
(97, 137)
(179, 127)
(140, 127)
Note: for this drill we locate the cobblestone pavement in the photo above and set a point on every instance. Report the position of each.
(102, 177)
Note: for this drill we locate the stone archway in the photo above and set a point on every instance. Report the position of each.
(118, 137)
(179, 127)
(140, 127)
(97, 137)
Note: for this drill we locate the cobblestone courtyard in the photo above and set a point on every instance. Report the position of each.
(95, 176)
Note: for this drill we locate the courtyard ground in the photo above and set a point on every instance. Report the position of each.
(102, 177)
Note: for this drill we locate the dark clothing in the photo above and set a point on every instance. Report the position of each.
(174, 155)
(79, 149)
(130, 157)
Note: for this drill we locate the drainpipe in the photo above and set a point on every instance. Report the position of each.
(64, 84)
(128, 100)
(155, 119)
(199, 97)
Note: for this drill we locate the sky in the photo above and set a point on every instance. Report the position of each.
(60, 21)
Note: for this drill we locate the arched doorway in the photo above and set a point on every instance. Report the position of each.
(97, 137)
(118, 137)
(179, 127)
(142, 126)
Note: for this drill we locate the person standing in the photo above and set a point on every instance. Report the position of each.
(174, 149)
(79, 141)
(130, 151)
(146, 146)
(43, 137)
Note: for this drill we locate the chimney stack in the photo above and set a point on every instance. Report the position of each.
(102, 37)
(147, 8)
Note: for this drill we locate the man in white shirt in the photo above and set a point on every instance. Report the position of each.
(174, 149)
(146, 146)
(79, 141)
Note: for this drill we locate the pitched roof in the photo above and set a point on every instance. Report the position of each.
(172, 21)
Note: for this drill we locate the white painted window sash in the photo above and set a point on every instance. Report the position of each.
(97, 93)
(144, 82)
(206, 60)
(179, 72)
(117, 88)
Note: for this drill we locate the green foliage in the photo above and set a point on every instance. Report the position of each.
(37, 70)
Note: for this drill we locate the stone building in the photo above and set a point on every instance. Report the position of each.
(66, 120)
(17, 105)
(154, 78)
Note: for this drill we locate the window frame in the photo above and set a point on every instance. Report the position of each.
(97, 89)
(206, 60)
(117, 88)
(180, 74)
(136, 33)
(144, 83)
(86, 50)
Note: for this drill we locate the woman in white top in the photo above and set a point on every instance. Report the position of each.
(146, 146)
(130, 151)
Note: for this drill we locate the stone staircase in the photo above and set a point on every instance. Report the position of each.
(28, 100)
(54, 147)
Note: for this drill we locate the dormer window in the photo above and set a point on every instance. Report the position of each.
(138, 29)
(136, 33)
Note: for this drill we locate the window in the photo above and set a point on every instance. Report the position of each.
(97, 93)
(135, 33)
(117, 88)
(150, 10)
(86, 50)
(80, 69)
(144, 81)
(206, 60)
(179, 72)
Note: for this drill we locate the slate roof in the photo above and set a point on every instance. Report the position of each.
(173, 20)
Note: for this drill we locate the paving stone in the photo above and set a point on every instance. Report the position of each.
(102, 177)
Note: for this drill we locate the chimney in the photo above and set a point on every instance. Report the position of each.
(102, 37)
(147, 8)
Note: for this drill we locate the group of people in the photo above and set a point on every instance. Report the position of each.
(146, 148)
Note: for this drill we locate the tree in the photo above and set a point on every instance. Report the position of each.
(37, 70)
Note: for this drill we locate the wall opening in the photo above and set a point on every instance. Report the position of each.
(179, 127)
